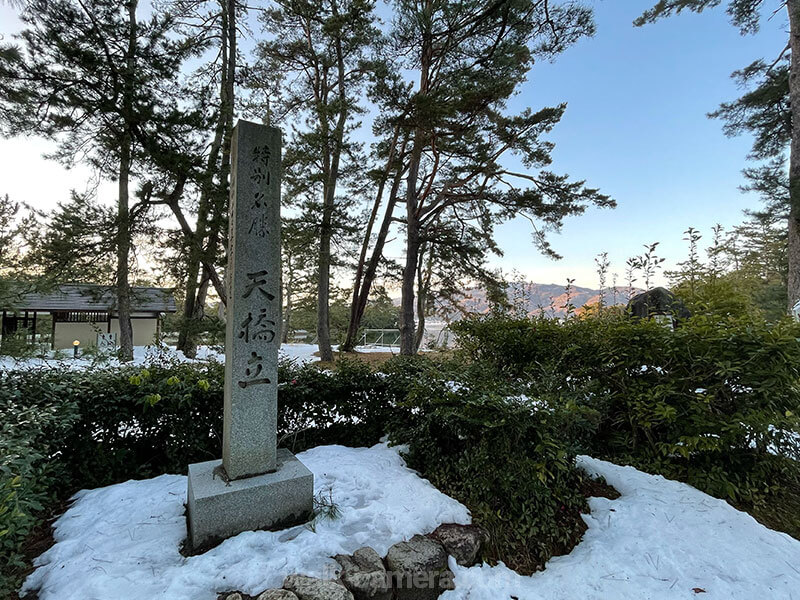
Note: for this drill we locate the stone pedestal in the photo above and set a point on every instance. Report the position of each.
(219, 509)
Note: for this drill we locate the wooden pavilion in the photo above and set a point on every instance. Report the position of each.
(82, 311)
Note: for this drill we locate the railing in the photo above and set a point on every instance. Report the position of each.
(380, 337)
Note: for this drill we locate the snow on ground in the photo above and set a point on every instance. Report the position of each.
(122, 542)
(144, 355)
(660, 540)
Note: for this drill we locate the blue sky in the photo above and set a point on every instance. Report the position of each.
(635, 127)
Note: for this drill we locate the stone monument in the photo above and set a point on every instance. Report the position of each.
(255, 485)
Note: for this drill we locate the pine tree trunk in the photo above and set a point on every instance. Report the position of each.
(423, 289)
(407, 328)
(421, 301)
(323, 297)
(793, 253)
(323, 283)
(188, 326)
(365, 272)
(123, 211)
(355, 318)
(123, 254)
(194, 302)
(371, 271)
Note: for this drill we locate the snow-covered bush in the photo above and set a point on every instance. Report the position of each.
(711, 403)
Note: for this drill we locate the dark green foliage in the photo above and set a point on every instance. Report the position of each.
(744, 14)
(98, 427)
(705, 403)
(137, 423)
(141, 422)
(62, 430)
(31, 427)
(350, 406)
(77, 245)
(503, 456)
(64, 82)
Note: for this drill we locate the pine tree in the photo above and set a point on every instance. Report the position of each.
(314, 57)
(468, 57)
(77, 243)
(215, 24)
(298, 261)
(12, 250)
(100, 81)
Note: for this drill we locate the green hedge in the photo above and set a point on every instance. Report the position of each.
(64, 430)
(712, 402)
(464, 430)
(32, 426)
(501, 454)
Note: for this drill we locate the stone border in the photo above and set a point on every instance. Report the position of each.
(415, 569)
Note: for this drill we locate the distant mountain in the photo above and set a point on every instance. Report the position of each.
(549, 298)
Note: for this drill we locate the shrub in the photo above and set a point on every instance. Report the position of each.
(710, 403)
(502, 456)
(31, 427)
(63, 430)
(351, 405)
(135, 422)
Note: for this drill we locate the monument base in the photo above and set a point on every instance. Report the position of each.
(219, 509)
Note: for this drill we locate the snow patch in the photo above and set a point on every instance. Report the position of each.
(146, 355)
(661, 540)
(123, 541)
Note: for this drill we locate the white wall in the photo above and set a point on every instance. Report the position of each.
(144, 331)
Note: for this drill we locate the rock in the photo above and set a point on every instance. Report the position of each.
(419, 569)
(658, 302)
(364, 575)
(234, 596)
(311, 588)
(462, 542)
(276, 595)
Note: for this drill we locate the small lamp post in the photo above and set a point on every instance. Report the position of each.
(75, 345)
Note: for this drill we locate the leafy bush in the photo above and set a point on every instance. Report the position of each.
(31, 427)
(710, 403)
(120, 423)
(503, 456)
(136, 422)
(141, 422)
(351, 405)
(63, 430)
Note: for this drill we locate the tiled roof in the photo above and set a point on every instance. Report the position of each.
(86, 297)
